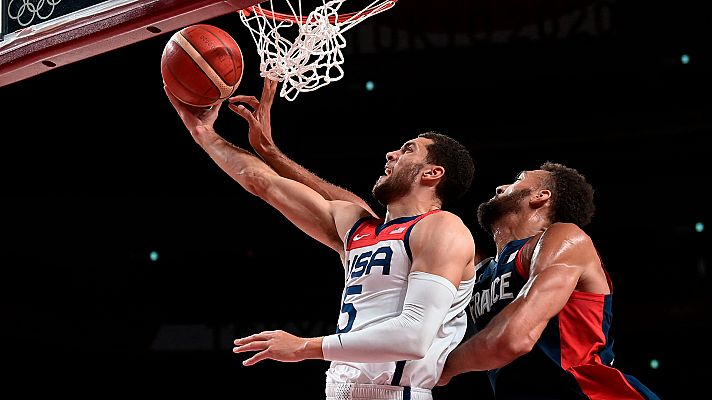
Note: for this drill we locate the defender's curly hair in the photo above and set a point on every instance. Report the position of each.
(572, 196)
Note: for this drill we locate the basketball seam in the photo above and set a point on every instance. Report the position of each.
(235, 67)
(184, 43)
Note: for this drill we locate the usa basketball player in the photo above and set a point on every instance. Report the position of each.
(408, 276)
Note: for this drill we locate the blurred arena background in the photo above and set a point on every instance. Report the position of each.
(130, 261)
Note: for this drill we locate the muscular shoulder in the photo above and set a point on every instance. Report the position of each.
(562, 243)
(568, 248)
(442, 228)
(442, 239)
(439, 223)
(565, 236)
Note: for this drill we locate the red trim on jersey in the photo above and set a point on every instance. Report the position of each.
(365, 233)
(518, 262)
(582, 338)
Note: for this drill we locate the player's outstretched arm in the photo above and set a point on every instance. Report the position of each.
(561, 255)
(260, 137)
(325, 221)
(443, 250)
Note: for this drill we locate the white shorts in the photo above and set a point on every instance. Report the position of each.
(362, 391)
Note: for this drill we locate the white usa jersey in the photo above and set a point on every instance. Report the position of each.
(377, 265)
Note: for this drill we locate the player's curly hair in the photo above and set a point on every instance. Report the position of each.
(457, 161)
(572, 196)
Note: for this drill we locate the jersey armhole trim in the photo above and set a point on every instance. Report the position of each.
(353, 229)
(518, 262)
(406, 238)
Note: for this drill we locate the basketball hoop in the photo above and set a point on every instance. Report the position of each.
(313, 56)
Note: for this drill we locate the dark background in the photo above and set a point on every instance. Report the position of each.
(98, 172)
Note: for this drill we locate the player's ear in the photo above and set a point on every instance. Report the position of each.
(540, 198)
(433, 173)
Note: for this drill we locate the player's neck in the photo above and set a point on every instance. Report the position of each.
(409, 206)
(514, 227)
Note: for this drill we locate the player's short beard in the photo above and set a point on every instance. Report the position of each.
(491, 211)
(396, 185)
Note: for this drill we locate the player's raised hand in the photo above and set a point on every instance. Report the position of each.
(260, 134)
(278, 346)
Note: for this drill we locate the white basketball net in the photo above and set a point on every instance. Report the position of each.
(313, 56)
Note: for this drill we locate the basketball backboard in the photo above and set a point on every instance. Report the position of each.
(38, 35)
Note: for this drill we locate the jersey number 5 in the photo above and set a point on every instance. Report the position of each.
(349, 308)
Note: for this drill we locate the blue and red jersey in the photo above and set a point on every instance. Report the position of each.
(573, 358)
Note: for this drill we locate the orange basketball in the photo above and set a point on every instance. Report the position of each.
(201, 65)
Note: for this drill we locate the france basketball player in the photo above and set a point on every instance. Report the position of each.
(542, 307)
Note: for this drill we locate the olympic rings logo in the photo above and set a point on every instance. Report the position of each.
(25, 11)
